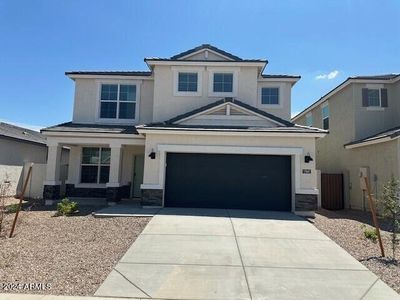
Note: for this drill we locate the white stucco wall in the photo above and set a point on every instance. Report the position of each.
(153, 141)
(87, 99)
(168, 105)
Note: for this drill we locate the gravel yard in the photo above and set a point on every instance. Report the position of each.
(345, 228)
(72, 254)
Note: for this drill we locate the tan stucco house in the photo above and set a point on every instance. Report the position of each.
(362, 116)
(203, 128)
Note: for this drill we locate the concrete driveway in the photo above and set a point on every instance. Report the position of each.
(231, 254)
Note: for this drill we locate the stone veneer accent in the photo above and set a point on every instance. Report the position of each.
(112, 194)
(152, 197)
(306, 202)
(51, 192)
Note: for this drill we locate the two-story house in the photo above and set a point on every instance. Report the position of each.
(362, 115)
(203, 128)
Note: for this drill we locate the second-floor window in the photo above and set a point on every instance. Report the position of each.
(374, 97)
(117, 101)
(309, 120)
(270, 95)
(223, 83)
(325, 116)
(187, 82)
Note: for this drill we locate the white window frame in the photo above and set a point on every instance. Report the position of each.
(119, 83)
(233, 71)
(279, 86)
(326, 104)
(98, 165)
(372, 86)
(177, 70)
(309, 117)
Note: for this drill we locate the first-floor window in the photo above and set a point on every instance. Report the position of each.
(95, 166)
(269, 95)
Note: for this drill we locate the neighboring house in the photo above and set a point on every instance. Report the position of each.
(19, 146)
(203, 128)
(362, 115)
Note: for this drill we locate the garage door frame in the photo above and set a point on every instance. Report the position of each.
(294, 152)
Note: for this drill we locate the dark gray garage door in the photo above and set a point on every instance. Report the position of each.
(228, 181)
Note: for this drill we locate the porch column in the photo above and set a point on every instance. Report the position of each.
(51, 188)
(114, 182)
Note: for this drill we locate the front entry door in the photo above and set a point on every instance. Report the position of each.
(137, 175)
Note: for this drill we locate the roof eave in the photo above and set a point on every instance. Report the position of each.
(371, 142)
(338, 88)
(200, 131)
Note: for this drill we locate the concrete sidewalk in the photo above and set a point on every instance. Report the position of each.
(229, 254)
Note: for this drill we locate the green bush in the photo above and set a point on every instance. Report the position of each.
(371, 234)
(67, 207)
(12, 208)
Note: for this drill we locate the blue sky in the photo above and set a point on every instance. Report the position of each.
(40, 40)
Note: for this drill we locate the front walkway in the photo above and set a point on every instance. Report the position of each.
(229, 254)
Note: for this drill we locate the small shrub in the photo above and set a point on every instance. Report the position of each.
(390, 208)
(371, 234)
(12, 208)
(67, 207)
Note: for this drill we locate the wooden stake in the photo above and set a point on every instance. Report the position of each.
(374, 218)
(21, 198)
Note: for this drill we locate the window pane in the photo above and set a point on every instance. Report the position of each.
(108, 110)
(127, 110)
(192, 87)
(187, 82)
(109, 91)
(105, 155)
(104, 174)
(325, 123)
(373, 97)
(89, 174)
(309, 120)
(223, 82)
(325, 111)
(90, 155)
(270, 95)
(218, 77)
(127, 93)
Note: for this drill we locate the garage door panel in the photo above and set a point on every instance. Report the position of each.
(228, 181)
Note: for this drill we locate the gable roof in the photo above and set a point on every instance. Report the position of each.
(383, 136)
(22, 134)
(229, 56)
(205, 47)
(349, 80)
(229, 100)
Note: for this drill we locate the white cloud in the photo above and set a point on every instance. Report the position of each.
(328, 76)
(24, 125)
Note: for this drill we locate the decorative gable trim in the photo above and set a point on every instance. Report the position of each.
(230, 108)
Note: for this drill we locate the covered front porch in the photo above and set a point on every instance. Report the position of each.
(107, 166)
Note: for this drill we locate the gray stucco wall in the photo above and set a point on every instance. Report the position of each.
(350, 121)
(13, 152)
(13, 155)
